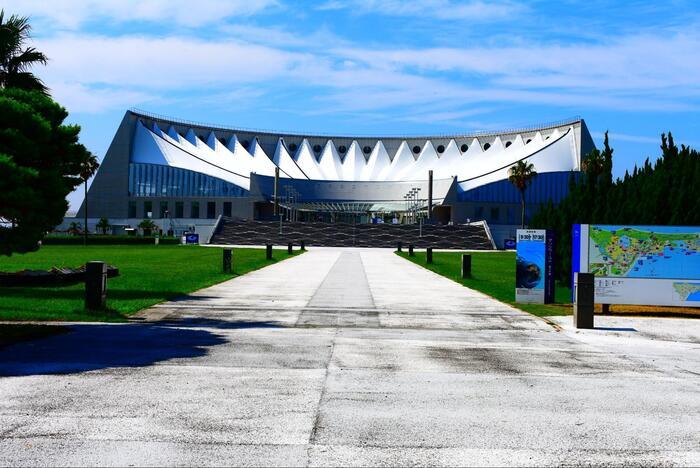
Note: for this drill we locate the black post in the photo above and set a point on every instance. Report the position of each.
(429, 255)
(466, 266)
(410, 250)
(289, 248)
(275, 192)
(584, 299)
(430, 196)
(268, 251)
(398, 246)
(95, 285)
(606, 309)
(302, 246)
(228, 261)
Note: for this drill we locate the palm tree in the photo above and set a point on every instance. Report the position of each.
(15, 59)
(147, 226)
(103, 225)
(74, 228)
(520, 175)
(87, 169)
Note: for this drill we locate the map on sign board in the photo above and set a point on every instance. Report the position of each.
(669, 252)
(687, 291)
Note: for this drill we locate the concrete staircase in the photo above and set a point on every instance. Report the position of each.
(474, 236)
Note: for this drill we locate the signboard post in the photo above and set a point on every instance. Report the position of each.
(642, 265)
(534, 266)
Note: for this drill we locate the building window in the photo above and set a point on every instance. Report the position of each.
(511, 215)
(211, 210)
(487, 146)
(508, 143)
(194, 210)
(147, 209)
(132, 209)
(366, 150)
(416, 149)
(227, 208)
(317, 148)
(464, 148)
(342, 149)
(479, 214)
(528, 141)
(292, 147)
(441, 149)
(164, 209)
(495, 213)
(179, 209)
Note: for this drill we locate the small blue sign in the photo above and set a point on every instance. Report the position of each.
(509, 244)
(192, 238)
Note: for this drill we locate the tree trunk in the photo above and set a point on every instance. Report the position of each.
(85, 229)
(522, 209)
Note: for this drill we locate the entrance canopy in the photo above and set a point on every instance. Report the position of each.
(350, 197)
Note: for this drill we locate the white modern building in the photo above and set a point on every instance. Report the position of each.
(187, 173)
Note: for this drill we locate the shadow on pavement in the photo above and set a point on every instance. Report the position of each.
(196, 322)
(92, 347)
(621, 329)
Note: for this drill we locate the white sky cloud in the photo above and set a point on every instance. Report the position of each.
(71, 14)
(630, 73)
(440, 9)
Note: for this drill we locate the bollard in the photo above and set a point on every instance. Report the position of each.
(429, 255)
(605, 309)
(584, 299)
(410, 250)
(398, 246)
(95, 285)
(289, 248)
(302, 246)
(268, 251)
(228, 261)
(466, 266)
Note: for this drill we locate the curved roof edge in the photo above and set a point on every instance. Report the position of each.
(476, 134)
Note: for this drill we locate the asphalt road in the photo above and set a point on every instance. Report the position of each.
(351, 357)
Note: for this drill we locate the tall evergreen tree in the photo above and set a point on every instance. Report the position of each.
(661, 192)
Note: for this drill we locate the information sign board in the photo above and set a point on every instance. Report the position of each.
(534, 266)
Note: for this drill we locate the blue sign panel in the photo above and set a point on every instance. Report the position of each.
(534, 266)
(192, 238)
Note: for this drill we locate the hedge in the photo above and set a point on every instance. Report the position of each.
(108, 240)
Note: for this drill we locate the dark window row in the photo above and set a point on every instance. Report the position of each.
(164, 212)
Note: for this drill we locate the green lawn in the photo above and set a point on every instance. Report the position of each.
(493, 273)
(149, 274)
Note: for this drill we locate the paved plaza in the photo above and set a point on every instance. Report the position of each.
(352, 357)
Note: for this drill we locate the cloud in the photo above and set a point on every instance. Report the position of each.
(71, 14)
(631, 73)
(474, 11)
(628, 63)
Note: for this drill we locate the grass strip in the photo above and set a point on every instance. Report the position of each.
(493, 273)
(149, 274)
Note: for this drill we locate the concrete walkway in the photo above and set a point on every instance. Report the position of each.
(347, 357)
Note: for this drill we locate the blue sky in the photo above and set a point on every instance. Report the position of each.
(377, 67)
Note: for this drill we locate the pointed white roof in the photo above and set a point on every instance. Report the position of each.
(378, 161)
(353, 163)
(284, 161)
(427, 160)
(329, 163)
(403, 159)
(450, 160)
(306, 161)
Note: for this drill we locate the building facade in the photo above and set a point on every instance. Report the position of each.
(161, 168)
